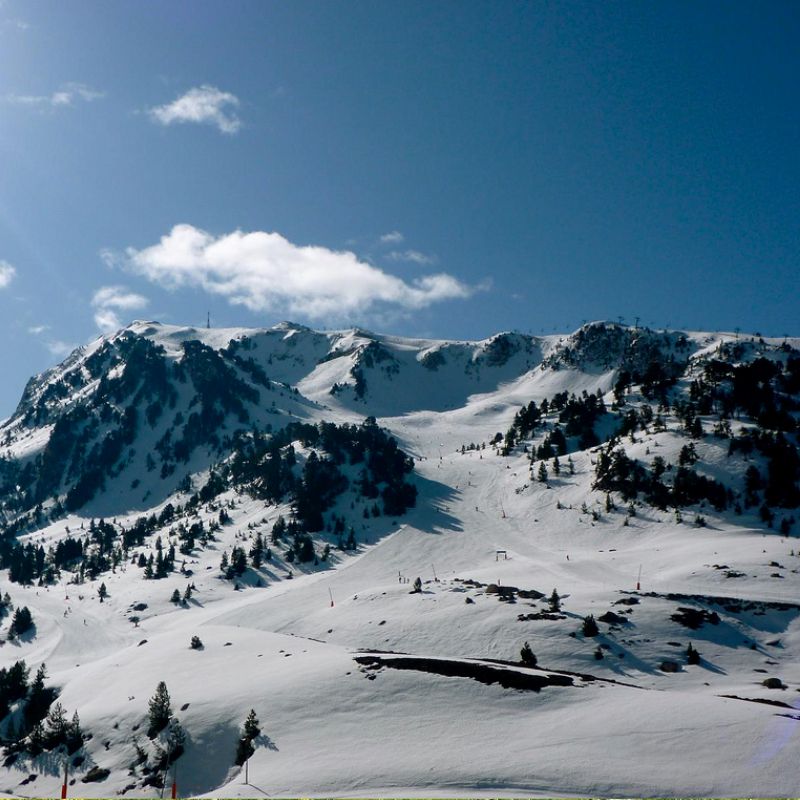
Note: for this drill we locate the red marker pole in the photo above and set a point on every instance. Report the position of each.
(639, 579)
(64, 785)
(331, 594)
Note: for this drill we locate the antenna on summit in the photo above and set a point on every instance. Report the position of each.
(208, 320)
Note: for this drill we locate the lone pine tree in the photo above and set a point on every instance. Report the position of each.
(159, 711)
(590, 626)
(526, 656)
(245, 747)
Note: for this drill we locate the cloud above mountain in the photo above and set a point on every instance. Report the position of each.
(108, 300)
(266, 272)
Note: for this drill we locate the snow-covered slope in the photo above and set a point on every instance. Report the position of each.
(362, 685)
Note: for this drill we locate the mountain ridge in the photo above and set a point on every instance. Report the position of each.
(277, 491)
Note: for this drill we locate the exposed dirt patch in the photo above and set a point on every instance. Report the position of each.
(733, 605)
(484, 673)
(762, 700)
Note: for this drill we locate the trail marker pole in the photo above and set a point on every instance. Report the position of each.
(434, 573)
(331, 594)
(639, 579)
(66, 773)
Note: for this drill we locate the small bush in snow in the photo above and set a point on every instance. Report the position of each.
(526, 656)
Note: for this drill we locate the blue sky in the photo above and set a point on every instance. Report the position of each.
(444, 169)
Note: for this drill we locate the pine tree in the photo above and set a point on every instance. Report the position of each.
(21, 623)
(251, 729)
(257, 551)
(159, 710)
(238, 561)
(590, 626)
(526, 656)
(102, 592)
(692, 656)
(542, 476)
(555, 602)
(417, 585)
(244, 747)
(39, 699)
(176, 597)
(37, 739)
(74, 738)
(161, 567)
(176, 738)
(15, 681)
(57, 727)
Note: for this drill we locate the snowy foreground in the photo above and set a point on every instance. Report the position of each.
(335, 726)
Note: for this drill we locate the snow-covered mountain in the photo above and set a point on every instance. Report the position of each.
(242, 514)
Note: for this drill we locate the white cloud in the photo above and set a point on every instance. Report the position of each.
(59, 348)
(118, 297)
(7, 273)
(411, 255)
(19, 24)
(266, 272)
(107, 320)
(203, 104)
(394, 237)
(108, 298)
(65, 95)
(55, 347)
